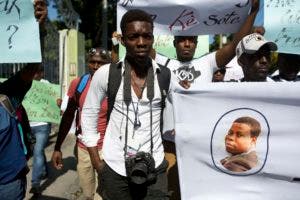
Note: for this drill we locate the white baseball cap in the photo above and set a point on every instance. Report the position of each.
(252, 43)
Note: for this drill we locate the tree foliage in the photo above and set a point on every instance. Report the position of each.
(91, 25)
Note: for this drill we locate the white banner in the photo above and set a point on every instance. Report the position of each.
(221, 157)
(190, 17)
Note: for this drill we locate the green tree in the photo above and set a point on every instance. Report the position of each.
(91, 25)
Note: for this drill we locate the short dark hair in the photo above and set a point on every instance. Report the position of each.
(178, 37)
(253, 123)
(295, 57)
(135, 15)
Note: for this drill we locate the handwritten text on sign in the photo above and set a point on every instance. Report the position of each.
(191, 17)
(18, 26)
(40, 102)
(282, 22)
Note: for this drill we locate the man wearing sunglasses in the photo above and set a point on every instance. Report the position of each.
(96, 58)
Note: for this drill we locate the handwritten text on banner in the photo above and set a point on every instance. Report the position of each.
(190, 17)
(282, 22)
(40, 102)
(19, 32)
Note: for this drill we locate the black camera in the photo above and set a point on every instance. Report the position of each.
(140, 168)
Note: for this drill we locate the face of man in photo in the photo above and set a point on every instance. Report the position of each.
(138, 40)
(185, 47)
(238, 139)
(95, 62)
(256, 66)
(289, 66)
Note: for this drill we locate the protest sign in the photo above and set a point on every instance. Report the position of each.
(40, 102)
(282, 22)
(19, 41)
(209, 142)
(189, 17)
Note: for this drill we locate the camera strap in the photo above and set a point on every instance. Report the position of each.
(128, 99)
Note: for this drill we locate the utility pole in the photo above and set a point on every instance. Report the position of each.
(104, 24)
(221, 41)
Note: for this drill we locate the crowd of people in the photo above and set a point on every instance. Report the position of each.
(125, 146)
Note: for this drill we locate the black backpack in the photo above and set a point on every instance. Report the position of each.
(114, 81)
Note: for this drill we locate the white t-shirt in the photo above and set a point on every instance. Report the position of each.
(233, 71)
(197, 71)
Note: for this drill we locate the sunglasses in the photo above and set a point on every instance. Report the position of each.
(102, 52)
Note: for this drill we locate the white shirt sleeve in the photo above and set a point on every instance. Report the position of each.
(92, 106)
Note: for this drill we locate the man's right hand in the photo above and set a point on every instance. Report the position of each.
(57, 160)
(40, 11)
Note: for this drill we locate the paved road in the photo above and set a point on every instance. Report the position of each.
(63, 184)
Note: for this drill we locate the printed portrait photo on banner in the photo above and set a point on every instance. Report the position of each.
(240, 142)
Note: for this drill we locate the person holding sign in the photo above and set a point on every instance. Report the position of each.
(13, 166)
(240, 142)
(191, 71)
(41, 130)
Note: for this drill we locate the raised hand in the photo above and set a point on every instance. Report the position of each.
(40, 11)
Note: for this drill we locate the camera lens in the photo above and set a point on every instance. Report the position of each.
(139, 173)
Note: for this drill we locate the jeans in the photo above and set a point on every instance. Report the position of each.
(14, 190)
(115, 187)
(39, 169)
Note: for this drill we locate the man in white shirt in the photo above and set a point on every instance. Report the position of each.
(191, 71)
(133, 131)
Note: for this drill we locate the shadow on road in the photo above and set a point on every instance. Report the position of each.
(69, 164)
(44, 197)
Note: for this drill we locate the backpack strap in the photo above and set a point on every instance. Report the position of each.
(6, 104)
(79, 89)
(164, 78)
(114, 81)
(82, 83)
